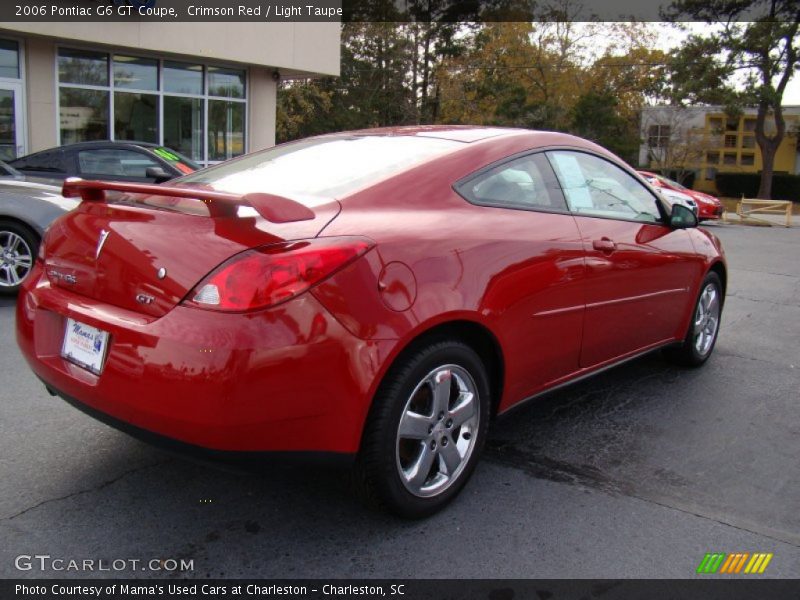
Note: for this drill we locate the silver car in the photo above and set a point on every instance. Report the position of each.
(27, 207)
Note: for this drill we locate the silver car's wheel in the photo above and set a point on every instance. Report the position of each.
(706, 319)
(437, 431)
(425, 429)
(17, 255)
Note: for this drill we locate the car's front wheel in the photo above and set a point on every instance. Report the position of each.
(703, 330)
(425, 430)
(18, 249)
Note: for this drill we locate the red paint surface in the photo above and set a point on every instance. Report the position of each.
(302, 375)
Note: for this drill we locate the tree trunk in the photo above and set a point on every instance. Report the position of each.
(768, 163)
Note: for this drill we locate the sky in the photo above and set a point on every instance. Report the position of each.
(669, 37)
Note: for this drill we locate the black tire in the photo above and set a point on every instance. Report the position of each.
(687, 353)
(377, 473)
(30, 246)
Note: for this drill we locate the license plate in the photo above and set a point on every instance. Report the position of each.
(85, 345)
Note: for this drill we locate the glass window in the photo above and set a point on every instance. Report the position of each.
(712, 158)
(9, 59)
(183, 125)
(82, 67)
(658, 136)
(135, 73)
(748, 160)
(322, 167)
(228, 83)
(225, 129)
(521, 183)
(730, 141)
(136, 117)
(596, 187)
(729, 158)
(83, 115)
(711, 173)
(715, 124)
(182, 78)
(748, 141)
(115, 161)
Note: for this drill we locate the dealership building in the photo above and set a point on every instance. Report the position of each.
(207, 90)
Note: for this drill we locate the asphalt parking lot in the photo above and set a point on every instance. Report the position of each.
(635, 473)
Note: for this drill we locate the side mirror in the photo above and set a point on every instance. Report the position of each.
(682, 217)
(157, 173)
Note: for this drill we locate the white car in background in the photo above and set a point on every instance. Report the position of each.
(674, 197)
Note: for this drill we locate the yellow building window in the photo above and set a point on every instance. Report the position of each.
(748, 160)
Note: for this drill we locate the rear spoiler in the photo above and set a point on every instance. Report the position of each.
(275, 209)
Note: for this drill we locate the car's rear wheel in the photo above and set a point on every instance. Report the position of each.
(18, 249)
(703, 330)
(425, 430)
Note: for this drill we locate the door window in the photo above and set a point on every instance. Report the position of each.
(596, 187)
(115, 162)
(525, 182)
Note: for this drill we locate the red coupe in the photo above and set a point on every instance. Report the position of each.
(377, 296)
(708, 207)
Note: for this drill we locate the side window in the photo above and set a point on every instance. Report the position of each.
(525, 182)
(115, 162)
(46, 162)
(597, 187)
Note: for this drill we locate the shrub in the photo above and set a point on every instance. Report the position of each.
(734, 185)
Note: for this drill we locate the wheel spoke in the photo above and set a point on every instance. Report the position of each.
(13, 276)
(414, 426)
(464, 409)
(418, 473)
(450, 457)
(441, 391)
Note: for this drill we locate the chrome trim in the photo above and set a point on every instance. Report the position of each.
(100, 243)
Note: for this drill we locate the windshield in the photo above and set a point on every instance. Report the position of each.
(671, 183)
(176, 159)
(321, 168)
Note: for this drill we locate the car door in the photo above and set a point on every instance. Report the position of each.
(639, 271)
(116, 164)
(535, 299)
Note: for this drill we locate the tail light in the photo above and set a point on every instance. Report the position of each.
(266, 276)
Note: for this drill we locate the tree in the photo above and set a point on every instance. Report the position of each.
(764, 51)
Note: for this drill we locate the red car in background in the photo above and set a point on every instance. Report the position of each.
(376, 295)
(708, 207)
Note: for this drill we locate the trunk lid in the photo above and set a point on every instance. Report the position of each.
(147, 260)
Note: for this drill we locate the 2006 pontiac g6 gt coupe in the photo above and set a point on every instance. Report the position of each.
(376, 295)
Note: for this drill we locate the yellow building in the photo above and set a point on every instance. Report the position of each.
(705, 141)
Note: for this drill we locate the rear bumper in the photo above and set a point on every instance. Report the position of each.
(287, 379)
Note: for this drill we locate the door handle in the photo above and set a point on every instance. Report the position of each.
(604, 244)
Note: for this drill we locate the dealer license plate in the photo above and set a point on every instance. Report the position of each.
(85, 345)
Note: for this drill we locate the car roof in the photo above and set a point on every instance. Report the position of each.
(100, 143)
(456, 133)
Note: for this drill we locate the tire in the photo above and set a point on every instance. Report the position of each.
(416, 470)
(703, 331)
(19, 247)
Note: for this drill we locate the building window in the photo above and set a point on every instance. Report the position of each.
(199, 110)
(9, 59)
(749, 124)
(729, 158)
(715, 124)
(712, 158)
(730, 141)
(748, 160)
(748, 141)
(658, 136)
(732, 125)
(711, 173)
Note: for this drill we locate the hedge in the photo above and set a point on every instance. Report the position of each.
(734, 185)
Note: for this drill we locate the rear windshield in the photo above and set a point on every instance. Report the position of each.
(314, 170)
